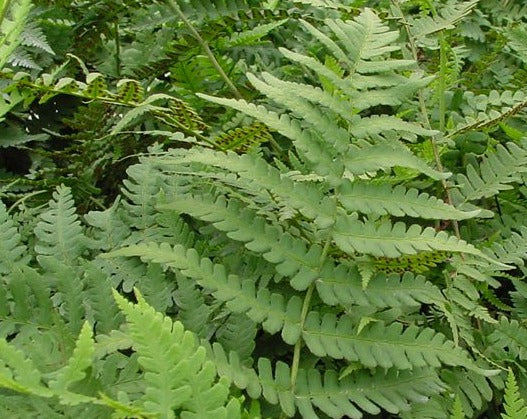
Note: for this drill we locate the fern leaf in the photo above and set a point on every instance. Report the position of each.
(69, 293)
(449, 16)
(418, 263)
(23, 376)
(129, 91)
(496, 172)
(371, 126)
(251, 36)
(109, 230)
(306, 198)
(370, 157)
(244, 139)
(344, 286)
(156, 288)
(59, 232)
(511, 335)
(366, 38)
(394, 240)
(141, 188)
(101, 309)
(379, 345)
(514, 405)
(32, 36)
(12, 251)
(261, 305)
(472, 388)
(179, 376)
(382, 199)
(362, 391)
(14, 15)
(291, 255)
(513, 249)
(193, 312)
(457, 409)
(237, 333)
(288, 127)
(74, 371)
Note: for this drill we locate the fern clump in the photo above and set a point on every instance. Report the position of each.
(321, 213)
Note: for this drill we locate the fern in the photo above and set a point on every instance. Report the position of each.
(192, 388)
(317, 249)
(14, 14)
(514, 405)
(496, 172)
(59, 232)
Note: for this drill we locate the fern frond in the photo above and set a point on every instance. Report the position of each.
(237, 334)
(32, 36)
(193, 312)
(382, 199)
(12, 251)
(365, 39)
(14, 15)
(457, 409)
(141, 189)
(74, 370)
(360, 392)
(244, 139)
(304, 140)
(69, 294)
(59, 232)
(472, 388)
(485, 119)
(514, 405)
(19, 373)
(496, 171)
(252, 36)
(448, 17)
(344, 286)
(101, 309)
(179, 376)
(109, 229)
(512, 249)
(156, 288)
(366, 157)
(379, 345)
(418, 263)
(511, 335)
(394, 240)
(230, 366)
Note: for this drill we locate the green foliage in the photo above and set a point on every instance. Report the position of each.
(263, 209)
(514, 405)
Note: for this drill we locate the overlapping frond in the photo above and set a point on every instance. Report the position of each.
(291, 254)
(275, 312)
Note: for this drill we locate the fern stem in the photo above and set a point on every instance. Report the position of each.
(303, 316)
(442, 80)
(175, 7)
